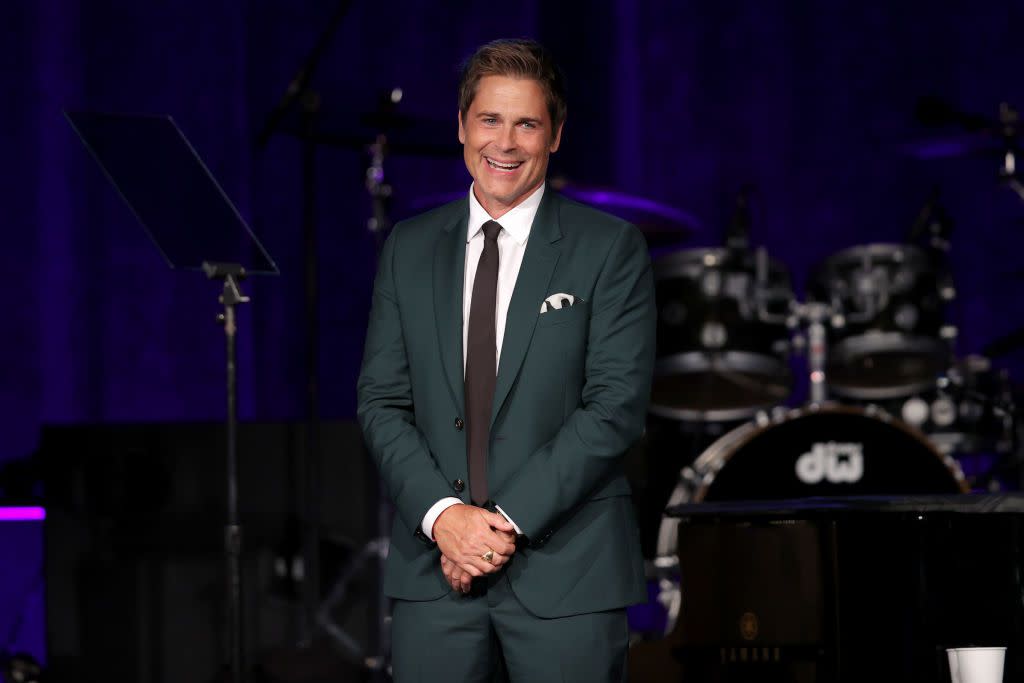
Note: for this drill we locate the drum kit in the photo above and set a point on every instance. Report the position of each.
(876, 339)
(889, 409)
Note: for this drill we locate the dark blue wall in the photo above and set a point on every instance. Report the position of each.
(676, 101)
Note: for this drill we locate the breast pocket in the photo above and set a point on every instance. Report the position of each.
(559, 316)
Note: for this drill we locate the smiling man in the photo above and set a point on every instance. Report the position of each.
(507, 133)
(507, 370)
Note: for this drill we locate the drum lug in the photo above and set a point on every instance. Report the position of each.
(877, 412)
(798, 344)
(670, 596)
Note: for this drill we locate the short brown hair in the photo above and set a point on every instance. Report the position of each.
(520, 58)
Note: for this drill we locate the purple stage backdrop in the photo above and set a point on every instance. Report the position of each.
(680, 102)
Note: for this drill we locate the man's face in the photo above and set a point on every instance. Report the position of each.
(506, 140)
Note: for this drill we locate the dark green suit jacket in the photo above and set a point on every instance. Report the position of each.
(571, 397)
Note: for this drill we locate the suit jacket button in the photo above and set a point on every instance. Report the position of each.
(459, 424)
(459, 485)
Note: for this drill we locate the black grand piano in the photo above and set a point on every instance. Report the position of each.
(842, 590)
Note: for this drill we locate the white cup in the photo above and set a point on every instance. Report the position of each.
(954, 665)
(976, 664)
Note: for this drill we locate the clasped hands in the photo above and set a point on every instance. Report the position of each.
(465, 534)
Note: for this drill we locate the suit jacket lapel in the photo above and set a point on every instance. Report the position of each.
(449, 269)
(531, 286)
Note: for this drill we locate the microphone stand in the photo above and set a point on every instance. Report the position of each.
(299, 91)
(299, 84)
(737, 236)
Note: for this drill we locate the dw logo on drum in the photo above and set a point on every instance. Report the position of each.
(837, 463)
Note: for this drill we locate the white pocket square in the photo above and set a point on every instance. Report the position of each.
(557, 301)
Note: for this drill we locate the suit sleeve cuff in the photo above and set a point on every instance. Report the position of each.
(427, 526)
(519, 532)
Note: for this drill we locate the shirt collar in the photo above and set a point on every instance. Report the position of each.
(516, 222)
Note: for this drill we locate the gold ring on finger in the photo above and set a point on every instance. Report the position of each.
(488, 556)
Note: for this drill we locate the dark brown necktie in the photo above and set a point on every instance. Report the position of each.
(481, 362)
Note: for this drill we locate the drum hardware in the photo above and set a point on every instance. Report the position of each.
(814, 315)
(933, 226)
(970, 410)
(737, 236)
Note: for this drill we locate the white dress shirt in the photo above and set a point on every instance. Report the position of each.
(511, 247)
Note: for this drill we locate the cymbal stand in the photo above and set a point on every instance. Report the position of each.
(376, 184)
(1008, 119)
(376, 549)
(813, 315)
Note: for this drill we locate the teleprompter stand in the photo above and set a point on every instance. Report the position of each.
(196, 227)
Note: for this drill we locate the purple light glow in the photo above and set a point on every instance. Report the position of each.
(22, 514)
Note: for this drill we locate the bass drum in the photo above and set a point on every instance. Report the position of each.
(829, 450)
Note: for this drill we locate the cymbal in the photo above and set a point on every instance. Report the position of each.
(962, 134)
(661, 224)
(1008, 343)
(980, 143)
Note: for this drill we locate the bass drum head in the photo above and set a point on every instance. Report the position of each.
(829, 450)
(824, 451)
